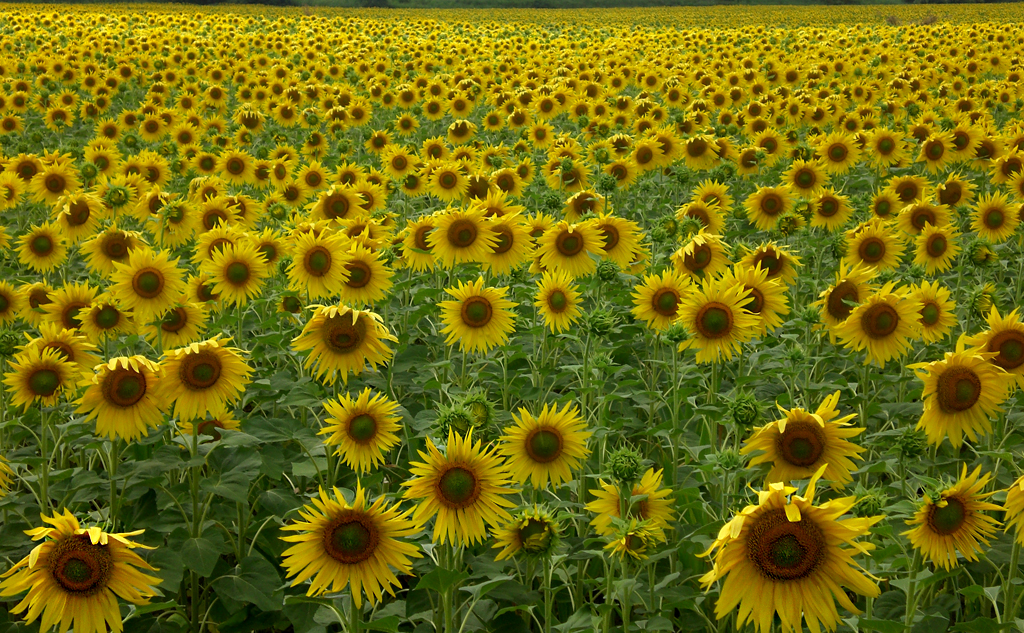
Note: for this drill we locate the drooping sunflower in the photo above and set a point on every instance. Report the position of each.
(704, 256)
(358, 545)
(558, 300)
(788, 556)
(938, 311)
(568, 247)
(74, 577)
(122, 398)
(369, 280)
(655, 510)
(802, 442)
(342, 341)
(1004, 338)
(464, 489)
(202, 378)
(237, 273)
(461, 236)
(955, 522)
(768, 300)
(210, 426)
(43, 248)
(318, 264)
(34, 297)
(40, 374)
(416, 251)
(777, 260)
(148, 284)
(994, 218)
(656, 301)
(362, 429)
(766, 205)
(532, 532)
(935, 248)
(718, 324)
(885, 325)
(710, 216)
(961, 392)
(479, 318)
(874, 244)
(545, 447)
(632, 541)
(182, 324)
(79, 216)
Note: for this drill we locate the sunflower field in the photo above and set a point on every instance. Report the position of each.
(322, 321)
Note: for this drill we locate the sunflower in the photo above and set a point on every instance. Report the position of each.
(74, 577)
(955, 191)
(789, 556)
(369, 280)
(656, 301)
(548, 446)
(446, 182)
(39, 374)
(42, 249)
(831, 210)
(479, 318)
(318, 265)
(568, 247)
(105, 320)
(464, 488)
(621, 238)
(109, 247)
(182, 324)
(909, 188)
(885, 203)
(211, 427)
(237, 273)
(994, 218)
(655, 509)
(632, 541)
(955, 522)
(1014, 508)
(337, 203)
(558, 300)
(67, 303)
(6, 476)
(768, 300)
(461, 236)
(961, 392)
(202, 378)
(35, 296)
(70, 344)
(358, 544)
(710, 215)
(122, 398)
(1004, 338)
(838, 152)
(885, 148)
(936, 151)
(341, 341)
(53, 181)
(11, 303)
(935, 248)
(704, 256)
(362, 429)
(533, 532)
(148, 284)
(916, 216)
(416, 252)
(513, 245)
(938, 311)
(874, 244)
(885, 324)
(805, 178)
(716, 319)
(801, 443)
(781, 264)
(766, 205)
(79, 216)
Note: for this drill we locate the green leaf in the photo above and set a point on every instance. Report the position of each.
(201, 554)
(981, 625)
(441, 580)
(389, 624)
(507, 623)
(883, 626)
(484, 588)
(254, 581)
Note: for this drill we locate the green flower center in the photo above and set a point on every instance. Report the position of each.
(714, 321)
(44, 382)
(994, 219)
(237, 273)
(930, 314)
(362, 428)
(786, 551)
(148, 283)
(958, 389)
(458, 487)
(476, 312)
(318, 261)
(544, 445)
(949, 518)
(41, 245)
(558, 301)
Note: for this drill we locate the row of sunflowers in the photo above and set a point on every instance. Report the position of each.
(339, 321)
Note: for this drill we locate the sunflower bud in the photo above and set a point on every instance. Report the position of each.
(278, 211)
(553, 201)
(671, 226)
(810, 314)
(481, 410)
(606, 183)
(870, 501)
(790, 223)
(89, 171)
(745, 410)
(599, 322)
(910, 444)
(689, 226)
(607, 270)
(567, 165)
(9, 342)
(729, 459)
(456, 418)
(983, 299)
(676, 333)
(981, 253)
(625, 465)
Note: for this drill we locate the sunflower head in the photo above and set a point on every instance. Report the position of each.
(532, 533)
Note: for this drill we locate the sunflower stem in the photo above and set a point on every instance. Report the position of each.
(355, 616)
(196, 526)
(548, 603)
(912, 590)
(112, 459)
(1011, 575)
(44, 480)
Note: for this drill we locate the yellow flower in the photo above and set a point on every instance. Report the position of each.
(341, 341)
(548, 446)
(656, 301)
(202, 378)
(362, 429)
(148, 284)
(122, 398)
(885, 325)
(718, 323)
(655, 510)
(558, 300)
(479, 318)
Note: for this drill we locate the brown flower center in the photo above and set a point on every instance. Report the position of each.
(958, 389)
(785, 550)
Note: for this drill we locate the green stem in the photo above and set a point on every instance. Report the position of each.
(196, 525)
(44, 447)
(113, 459)
(548, 603)
(355, 617)
(1010, 589)
(912, 590)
